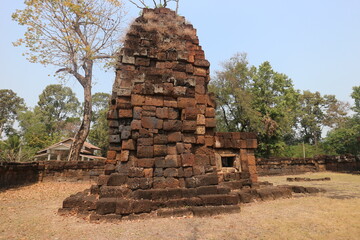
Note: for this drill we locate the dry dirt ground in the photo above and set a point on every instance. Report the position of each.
(31, 213)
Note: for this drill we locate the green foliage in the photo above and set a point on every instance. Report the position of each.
(99, 130)
(356, 96)
(256, 100)
(34, 130)
(54, 117)
(56, 105)
(10, 106)
(12, 150)
(297, 151)
(99, 133)
(318, 111)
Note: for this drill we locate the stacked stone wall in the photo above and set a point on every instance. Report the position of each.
(18, 174)
(14, 174)
(287, 166)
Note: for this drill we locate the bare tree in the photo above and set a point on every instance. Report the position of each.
(72, 35)
(161, 3)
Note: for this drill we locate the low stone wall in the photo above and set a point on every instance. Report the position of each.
(17, 174)
(286, 166)
(70, 171)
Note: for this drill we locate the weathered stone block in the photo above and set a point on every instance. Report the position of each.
(145, 141)
(162, 112)
(171, 172)
(200, 130)
(151, 122)
(160, 150)
(189, 126)
(146, 162)
(200, 119)
(116, 179)
(185, 102)
(154, 101)
(172, 161)
(160, 139)
(114, 139)
(106, 206)
(125, 113)
(137, 100)
(172, 125)
(128, 144)
(187, 159)
(145, 151)
(210, 122)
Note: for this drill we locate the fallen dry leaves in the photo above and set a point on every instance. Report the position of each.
(31, 213)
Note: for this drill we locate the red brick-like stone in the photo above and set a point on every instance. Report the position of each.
(145, 141)
(125, 113)
(201, 63)
(111, 155)
(179, 91)
(200, 119)
(173, 113)
(172, 125)
(210, 112)
(171, 150)
(187, 160)
(162, 112)
(128, 144)
(151, 123)
(168, 90)
(170, 103)
(154, 101)
(186, 102)
(160, 150)
(189, 126)
(200, 130)
(123, 102)
(145, 151)
(148, 172)
(161, 139)
(174, 137)
(137, 100)
(190, 113)
(142, 61)
(137, 112)
(209, 141)
(200, 139)
(145, 162)
(124, 156)
(200, 89)
(135, 124)
(200, 98)
(210, 122)
(202, 160)
(200, 72)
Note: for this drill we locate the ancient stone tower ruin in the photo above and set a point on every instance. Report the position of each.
(164, 156)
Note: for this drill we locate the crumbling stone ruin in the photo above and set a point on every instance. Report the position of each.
(165, 157)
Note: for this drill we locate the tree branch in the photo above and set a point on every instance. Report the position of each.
(142, 2)
(77, 75)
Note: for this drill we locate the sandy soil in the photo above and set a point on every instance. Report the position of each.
(31, 213)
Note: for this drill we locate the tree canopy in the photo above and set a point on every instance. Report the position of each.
(10, 106)
(261, 100)
(72, 35)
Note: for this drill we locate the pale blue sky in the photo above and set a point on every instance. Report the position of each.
(316, 43)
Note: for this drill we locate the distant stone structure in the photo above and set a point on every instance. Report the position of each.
(164, 154)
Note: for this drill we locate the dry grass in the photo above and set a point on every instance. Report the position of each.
(30, 213)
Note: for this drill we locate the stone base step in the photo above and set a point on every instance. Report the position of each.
(123, 206)
(198, 211)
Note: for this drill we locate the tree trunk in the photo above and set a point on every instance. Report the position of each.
(83, 132)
